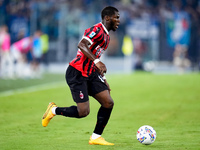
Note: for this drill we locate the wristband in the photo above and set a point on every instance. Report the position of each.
(96, 61)
(104, 77)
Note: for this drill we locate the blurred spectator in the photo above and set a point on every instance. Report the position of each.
(139, 50)
(181, 60)
(37, 53)
(45, 48)
(127, 46)
(5, 59)
(19, 51)
(178, 27)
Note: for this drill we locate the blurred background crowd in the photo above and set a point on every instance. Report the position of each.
(35, 32)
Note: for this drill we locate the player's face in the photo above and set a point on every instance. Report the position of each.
(114, 23)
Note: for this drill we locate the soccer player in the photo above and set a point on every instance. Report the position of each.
(85, 76)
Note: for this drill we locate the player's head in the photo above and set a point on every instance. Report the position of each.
(108, 11)
(111, 16)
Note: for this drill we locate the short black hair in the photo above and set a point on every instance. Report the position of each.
(108, 11)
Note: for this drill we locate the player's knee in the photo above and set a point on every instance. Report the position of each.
(84, 113)
(109, 104)
(83, 109)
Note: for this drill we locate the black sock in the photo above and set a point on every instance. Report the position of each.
(102, 119)
(68, 111)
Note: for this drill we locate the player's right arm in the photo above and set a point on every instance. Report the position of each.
(83, 45)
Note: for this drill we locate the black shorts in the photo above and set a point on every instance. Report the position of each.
(81, 86)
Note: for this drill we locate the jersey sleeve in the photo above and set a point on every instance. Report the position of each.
(92, 34)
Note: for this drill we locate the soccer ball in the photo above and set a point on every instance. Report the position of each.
(146, 135)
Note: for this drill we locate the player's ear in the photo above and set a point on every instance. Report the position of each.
(107, 18)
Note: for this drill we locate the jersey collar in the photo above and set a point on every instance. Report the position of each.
(105, 28)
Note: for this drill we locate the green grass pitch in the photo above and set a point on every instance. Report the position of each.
(169, 103)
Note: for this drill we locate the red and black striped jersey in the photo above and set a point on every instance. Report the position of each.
(99, 38)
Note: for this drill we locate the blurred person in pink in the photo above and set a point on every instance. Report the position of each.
(5, 61)
(19, 50)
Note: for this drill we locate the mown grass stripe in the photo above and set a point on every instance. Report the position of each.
(32, 88)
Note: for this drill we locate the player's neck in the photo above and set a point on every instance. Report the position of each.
(106, 25)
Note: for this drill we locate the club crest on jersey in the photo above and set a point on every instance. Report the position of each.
(92, 34)
(81, 95)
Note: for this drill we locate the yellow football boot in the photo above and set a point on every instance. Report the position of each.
(99, 141)
(48, 115)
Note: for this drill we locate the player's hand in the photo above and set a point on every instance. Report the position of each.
(101, 67)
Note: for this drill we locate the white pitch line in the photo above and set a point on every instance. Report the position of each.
(32, 88)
